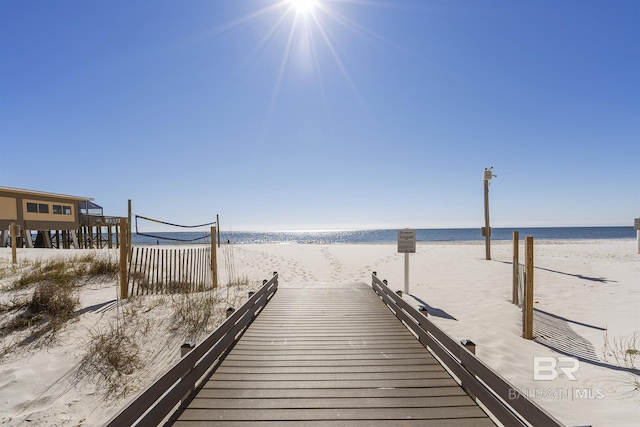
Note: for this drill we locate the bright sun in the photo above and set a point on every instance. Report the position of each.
(305, 7)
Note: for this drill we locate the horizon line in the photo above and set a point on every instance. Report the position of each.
(352, 229)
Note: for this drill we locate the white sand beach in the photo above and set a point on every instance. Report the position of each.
(585, 292)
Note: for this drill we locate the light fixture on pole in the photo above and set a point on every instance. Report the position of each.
(486, 230)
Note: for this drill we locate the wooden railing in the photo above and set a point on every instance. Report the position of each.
(500, 398)
(98, 220)
(153, 405)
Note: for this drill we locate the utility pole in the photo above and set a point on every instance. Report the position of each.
(486, 231)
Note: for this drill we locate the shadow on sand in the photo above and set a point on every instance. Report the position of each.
(579, 276)
(434, 311)
(555, 333)
(46, 326)
(98, 308)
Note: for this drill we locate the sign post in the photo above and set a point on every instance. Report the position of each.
(486, 230)
(636, 225)
(406, 246)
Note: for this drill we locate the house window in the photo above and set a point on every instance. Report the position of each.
(57, 210)
(32, 207)
(66, 210)
(43, 208)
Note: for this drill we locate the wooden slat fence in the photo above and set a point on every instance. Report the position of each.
(170, 270)
(502, 399)
(153, 405)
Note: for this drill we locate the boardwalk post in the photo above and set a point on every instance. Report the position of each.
(471, 348)
(214, 259)
(527, 308)
(230, 311)
(516, 262)
(186, 348)
(124, 285)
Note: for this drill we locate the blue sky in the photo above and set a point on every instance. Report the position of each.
(348, 114)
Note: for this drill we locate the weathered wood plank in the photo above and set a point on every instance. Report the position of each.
(435, 382)
(289, 362)
(378, 352)
(333, 376)
(252, 369)
(323, 393)
(249, 414)
(355, 346)
(316, 403)
(344, 356)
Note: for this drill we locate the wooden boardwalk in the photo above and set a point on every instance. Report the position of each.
(330, 355)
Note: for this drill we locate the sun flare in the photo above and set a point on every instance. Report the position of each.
(304, 7)
(307, 32)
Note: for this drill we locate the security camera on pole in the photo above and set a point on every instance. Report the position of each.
(486, 230)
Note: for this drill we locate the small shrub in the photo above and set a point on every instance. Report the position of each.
(21, 322)
(102, 267)
(193, 312)
(56, 301)
(112, 357)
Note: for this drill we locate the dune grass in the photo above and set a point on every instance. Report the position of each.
(625, 352)
(115, 355)
(66, 271)
(44, 295)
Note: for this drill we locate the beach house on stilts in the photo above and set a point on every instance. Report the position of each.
(50, 220)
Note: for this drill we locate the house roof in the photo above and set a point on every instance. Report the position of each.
(42, 193)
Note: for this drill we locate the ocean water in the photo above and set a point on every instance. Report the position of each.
(387, 236)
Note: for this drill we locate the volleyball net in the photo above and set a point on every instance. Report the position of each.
(182, 233)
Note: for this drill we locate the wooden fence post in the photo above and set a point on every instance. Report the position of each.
(14, 243)
(128, 241)
(124, 285)
(516, 262)
(527, 308)
(214, 260)
(218, 229)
